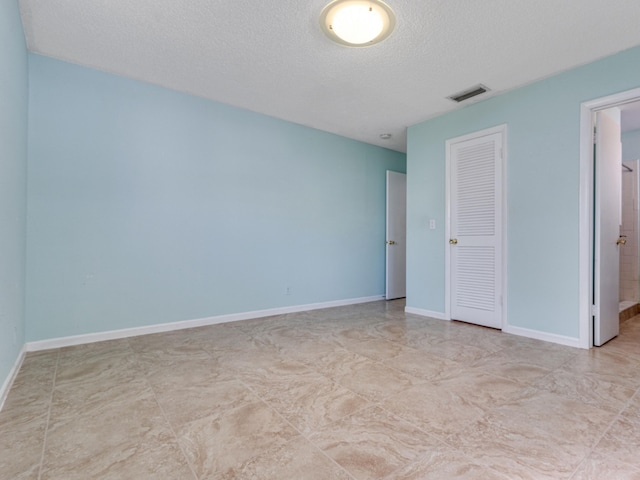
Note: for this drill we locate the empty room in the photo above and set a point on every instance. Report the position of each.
(346, 239)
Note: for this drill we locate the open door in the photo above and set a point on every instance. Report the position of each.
(396, 270)
(607, 222)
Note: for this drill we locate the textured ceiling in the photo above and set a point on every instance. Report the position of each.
(271, 57)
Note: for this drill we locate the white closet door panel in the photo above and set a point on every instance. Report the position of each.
(475, 200)
(476, 278)
(475, 227)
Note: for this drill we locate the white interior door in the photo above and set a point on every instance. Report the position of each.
(608, 212)
(475, 228)
(396, 270)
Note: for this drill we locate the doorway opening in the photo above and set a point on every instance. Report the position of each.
(597, 297)
(630, 252)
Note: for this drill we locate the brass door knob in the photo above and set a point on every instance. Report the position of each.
(390, 242)
(453, 241)
(621, 240)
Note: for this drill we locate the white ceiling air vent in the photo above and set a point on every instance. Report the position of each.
(469, 93)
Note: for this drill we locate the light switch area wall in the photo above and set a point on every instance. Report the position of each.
(13, 165)
(542, 194)
(149, 206)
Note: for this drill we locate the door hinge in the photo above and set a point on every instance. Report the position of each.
(594, 310)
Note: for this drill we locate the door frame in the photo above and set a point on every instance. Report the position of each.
(586, 225)
(502, 129)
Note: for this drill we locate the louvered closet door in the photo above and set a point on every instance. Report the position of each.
(475, 228)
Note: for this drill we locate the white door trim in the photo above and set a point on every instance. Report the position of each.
(585, 242)
(447, 230)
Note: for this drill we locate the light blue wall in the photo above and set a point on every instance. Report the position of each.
(13, 164)
(542, 192)
(631, 145)
(150, 206)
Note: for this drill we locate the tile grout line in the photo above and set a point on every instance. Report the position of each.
(434, 436)
(421, 381)
(324, 454)
(370, 403)
(443, 440)
(573, 376)
(439, 439)
(606, 430)
(303, 435)
(424, 453)
(374, 404)
(589, 451)
(46, 428)
(164, 415)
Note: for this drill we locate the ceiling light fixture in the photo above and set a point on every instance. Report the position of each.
(357, 23)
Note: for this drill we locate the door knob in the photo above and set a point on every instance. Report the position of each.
(453, 241)
(621, 240)
(390, 242)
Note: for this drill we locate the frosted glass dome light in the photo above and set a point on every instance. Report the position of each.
(357, 23)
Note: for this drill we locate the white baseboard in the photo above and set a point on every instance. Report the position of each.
(523, 332)
(426, 313)
(199, 322)
(544, 336)
(6, 386)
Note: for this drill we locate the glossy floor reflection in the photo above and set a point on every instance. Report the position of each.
(358, 392)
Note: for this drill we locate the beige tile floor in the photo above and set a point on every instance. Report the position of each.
(357, 392)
